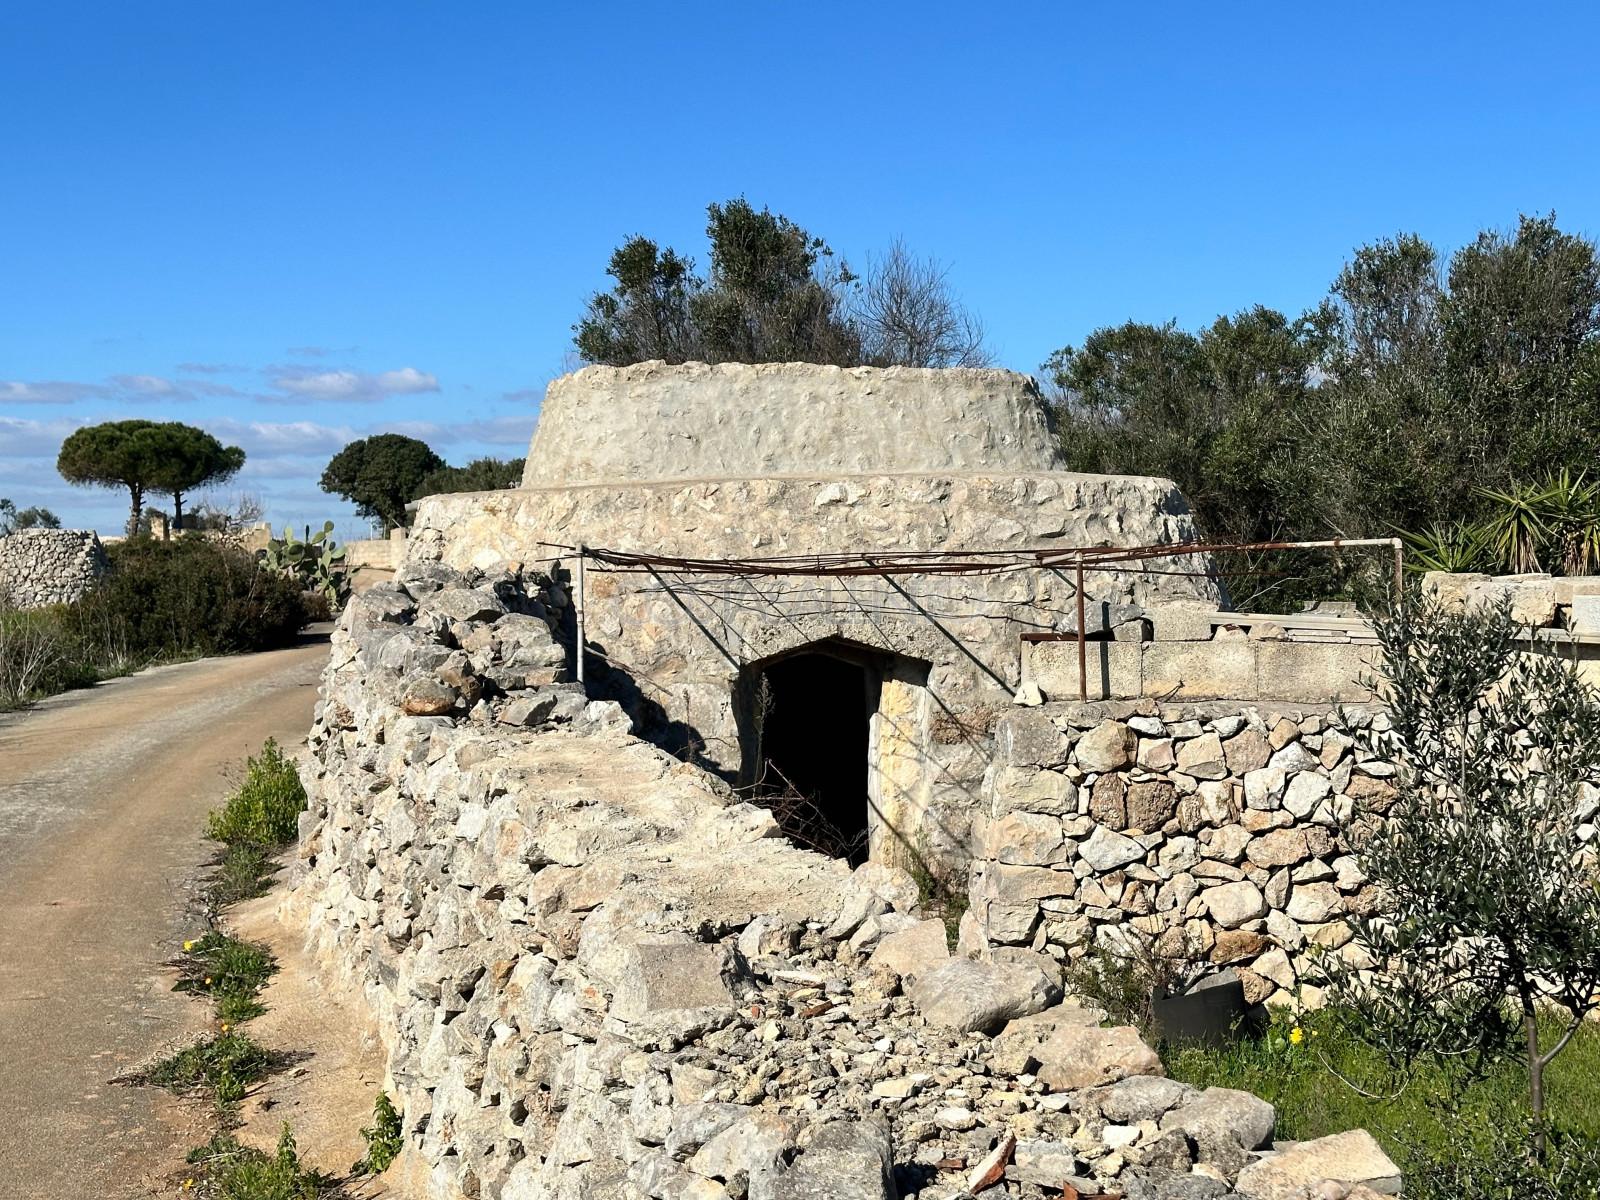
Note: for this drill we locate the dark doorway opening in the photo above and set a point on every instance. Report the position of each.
(814, 715)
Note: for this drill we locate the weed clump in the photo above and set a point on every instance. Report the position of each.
(238, 1172)
(383, 1138)
(231, 972)
(265, 811)
(244, 873)
(224, 1066)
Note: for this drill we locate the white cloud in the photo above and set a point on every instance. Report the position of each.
(362, 387)
(24, 438)
(51, 391)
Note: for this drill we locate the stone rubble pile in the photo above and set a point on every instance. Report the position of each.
(1216, 836)
(49, 566)
(599, 974)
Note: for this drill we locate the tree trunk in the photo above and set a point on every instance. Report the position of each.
(177, 511)
(1535, 1078)
(137, 492)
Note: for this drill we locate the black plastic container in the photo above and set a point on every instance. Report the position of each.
(1210, 1016)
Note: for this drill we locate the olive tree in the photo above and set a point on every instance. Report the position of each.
(1486, 856)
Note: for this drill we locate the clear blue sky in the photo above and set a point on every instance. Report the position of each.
(296, 223)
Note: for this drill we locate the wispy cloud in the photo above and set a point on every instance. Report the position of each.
(51, 391)
(524, 394)
(191, 368)
(302, 385)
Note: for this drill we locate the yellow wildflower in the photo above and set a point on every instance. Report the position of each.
(188, 946)
(208, 981)
(1297, 1035)
(224, 1027)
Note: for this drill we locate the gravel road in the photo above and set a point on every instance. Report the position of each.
(103, 796)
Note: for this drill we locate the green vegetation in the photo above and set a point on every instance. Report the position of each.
(161, 602)
(316, 564)
(265, 809)
(13, 519)
(146, 456)
(1437, 1126)
(479, 475)
(380, 474)
(774, 294)
(1492, 925)
(243, 873)
(1408, 399)
(236, 1172)
(231, 972)
(223, 1065)
(383, 1137)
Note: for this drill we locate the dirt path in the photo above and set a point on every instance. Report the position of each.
(103, 795)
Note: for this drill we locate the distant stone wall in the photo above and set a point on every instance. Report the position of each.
(1213, 832)
(49, 566)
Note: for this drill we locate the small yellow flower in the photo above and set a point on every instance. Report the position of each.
(224, 1027)
(208, 981)
(188, 946)
(1297, 1035)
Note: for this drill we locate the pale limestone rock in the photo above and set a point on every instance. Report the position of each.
(1106, 747)
(1084, 1056)
(1232, 904)
(1354, 1157)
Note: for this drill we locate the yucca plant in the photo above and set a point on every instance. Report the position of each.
(1572, 520)
(1517, 527)
(1460, 546)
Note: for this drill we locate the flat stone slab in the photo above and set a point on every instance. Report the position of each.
(965, 995)
(1353, 1157)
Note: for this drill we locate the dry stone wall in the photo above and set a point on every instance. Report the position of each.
(597, 973)
(1216, 835)
(49, 566)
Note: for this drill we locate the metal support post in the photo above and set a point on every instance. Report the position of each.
(1083, 650)
(577, 608)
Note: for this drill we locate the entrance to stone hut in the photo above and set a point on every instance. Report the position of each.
(811, 717)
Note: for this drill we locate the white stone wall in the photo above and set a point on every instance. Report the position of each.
(49, 566)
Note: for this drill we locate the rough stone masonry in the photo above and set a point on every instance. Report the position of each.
(49, 566)
(598, 973)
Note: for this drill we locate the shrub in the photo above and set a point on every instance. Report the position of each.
(1483, 1160)
(244, 873)
(38, 656)
(190, 596)
(383, 1138)
(265, 810)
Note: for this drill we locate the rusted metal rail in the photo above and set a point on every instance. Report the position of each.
(955, 562)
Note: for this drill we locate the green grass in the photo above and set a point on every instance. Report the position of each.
(236, 1172)
(224, 1066)
(1425, 1122)
(244, 873)
(231, 972)
(265, 810)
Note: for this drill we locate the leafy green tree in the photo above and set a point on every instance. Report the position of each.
(479, 475)
(380, 474)
(115, 454)
(646, 314)
(190, 458)
(33, 517)
(768, 298)
(772, 294)
(1485, 856)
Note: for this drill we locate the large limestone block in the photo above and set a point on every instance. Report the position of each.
(1077, 1056)
(1200, 670)
(912, 951)
(1218, 1113)
(672, 986)
(965, 995)
(1028, 738)
(1313, 672)
(846, 1160)
(698, 421)
(1449, 588)
(1232, 904)
(1113, 670)
(1352, 1158)
(1532, 597)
